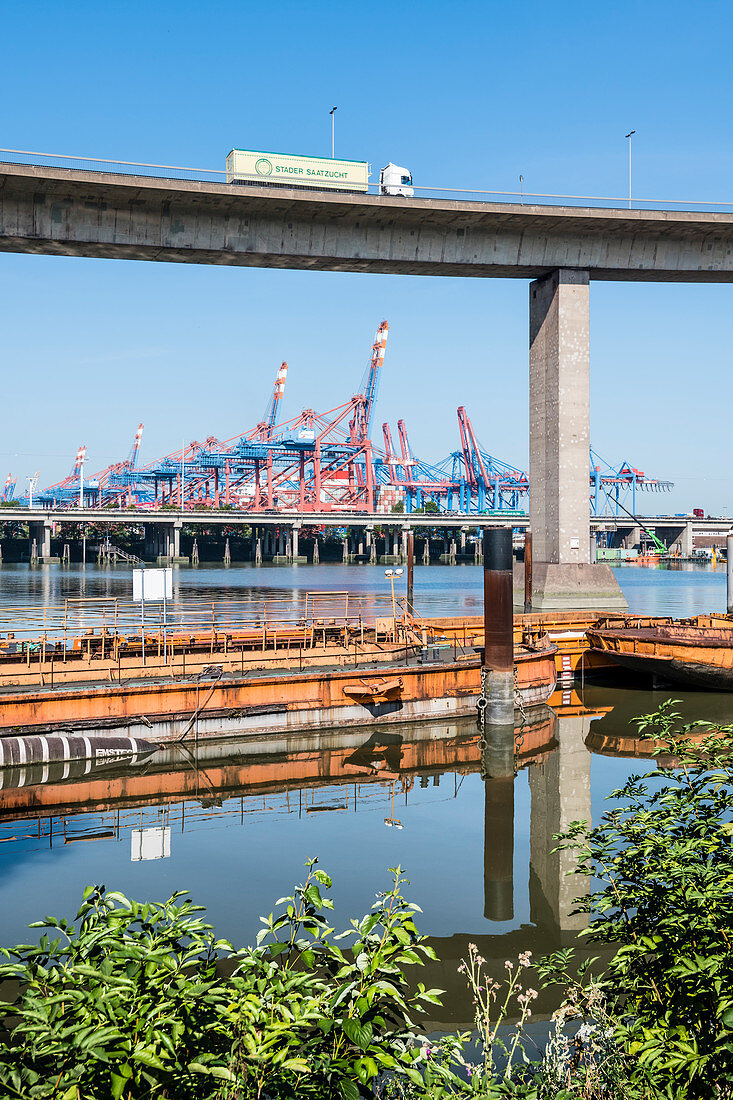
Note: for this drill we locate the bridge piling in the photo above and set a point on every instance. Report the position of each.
(559, 440)
(498, 626)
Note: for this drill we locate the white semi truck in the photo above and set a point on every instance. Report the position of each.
(315, 173)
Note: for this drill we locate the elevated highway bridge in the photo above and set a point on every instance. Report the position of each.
(71, 212)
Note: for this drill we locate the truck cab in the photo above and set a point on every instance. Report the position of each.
(394, 180)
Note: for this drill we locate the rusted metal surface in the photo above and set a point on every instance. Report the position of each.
(41, 669)
(286, 694)
(498, 600)
(693, 651)
(567, 630)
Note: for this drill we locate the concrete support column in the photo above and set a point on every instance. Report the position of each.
(177, 539)
(149, 551)
(686, 541)
(295, 543)
(633, 538)
(40, 533)
(559, 412)
(404, 543)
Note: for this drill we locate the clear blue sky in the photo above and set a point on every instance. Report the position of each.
(466, 95)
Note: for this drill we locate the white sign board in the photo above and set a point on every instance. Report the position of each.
(152, 843)
(152, 584)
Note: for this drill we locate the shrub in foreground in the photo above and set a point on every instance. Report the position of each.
(128, 1003)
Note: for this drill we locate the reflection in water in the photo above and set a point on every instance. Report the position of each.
(498, 765)
(427, 777)
(561, 794)
(235, 821)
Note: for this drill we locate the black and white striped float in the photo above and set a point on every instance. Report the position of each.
(53, 757)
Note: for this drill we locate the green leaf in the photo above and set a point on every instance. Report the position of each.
(349, 1089)
(313, 896)
(119, 1080)
(359, 1034)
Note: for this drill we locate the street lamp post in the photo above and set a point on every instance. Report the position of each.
(391, 574)
(521, 190)
(332, 113)
(629, 136)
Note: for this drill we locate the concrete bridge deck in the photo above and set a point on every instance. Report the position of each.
(72, 212)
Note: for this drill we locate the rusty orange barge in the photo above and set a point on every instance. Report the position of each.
(217, 701)
(696, 651)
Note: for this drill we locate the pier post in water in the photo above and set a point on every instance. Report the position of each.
(410, 568)
(498, 624)
(527, 572)
(729, 568)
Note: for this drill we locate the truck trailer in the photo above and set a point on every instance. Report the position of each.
(247, 166)
(286, 170)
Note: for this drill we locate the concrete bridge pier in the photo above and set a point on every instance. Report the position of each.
(296, 555)
(151, 541)
(686, 541)
(163, 542)
(559, 439)
(41, 533)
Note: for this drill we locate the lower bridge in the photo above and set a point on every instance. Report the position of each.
(170, 535)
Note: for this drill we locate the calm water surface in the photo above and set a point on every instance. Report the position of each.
(477, 849)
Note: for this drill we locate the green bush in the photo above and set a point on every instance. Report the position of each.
(662, 862)
(129, 1004)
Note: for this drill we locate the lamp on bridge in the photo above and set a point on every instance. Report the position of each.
(629, 136)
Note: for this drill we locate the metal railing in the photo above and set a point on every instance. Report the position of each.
(83, 617)
(520, 197)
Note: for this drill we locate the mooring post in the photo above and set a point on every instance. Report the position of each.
(498, 625)
(410, 568)
(527, 572)
(729, 568)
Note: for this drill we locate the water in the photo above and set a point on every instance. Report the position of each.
(478, 853)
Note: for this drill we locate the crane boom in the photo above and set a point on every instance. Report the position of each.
(391, 456)
(370, 384)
